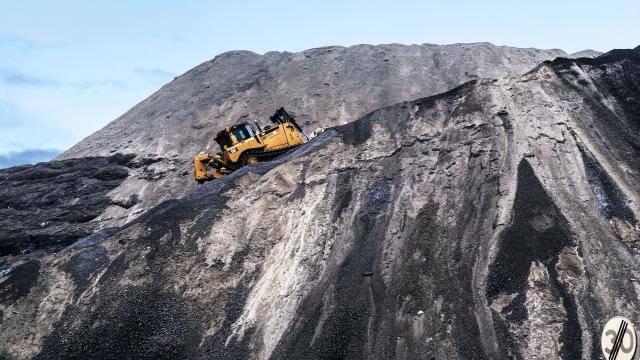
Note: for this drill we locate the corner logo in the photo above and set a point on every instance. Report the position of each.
(619, 339)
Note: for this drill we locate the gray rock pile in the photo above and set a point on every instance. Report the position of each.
(496, 220)
(322, 87)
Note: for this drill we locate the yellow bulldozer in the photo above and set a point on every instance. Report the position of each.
(242, 145)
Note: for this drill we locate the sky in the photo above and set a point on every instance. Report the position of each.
(67, 67)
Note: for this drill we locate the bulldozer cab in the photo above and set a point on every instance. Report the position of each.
(234, 135)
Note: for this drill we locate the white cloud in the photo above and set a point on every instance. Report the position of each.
(18, 78)
(29, 156)
(16, 42)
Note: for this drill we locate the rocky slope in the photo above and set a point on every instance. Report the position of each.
(322, 87)
(52, 204)
(496, 220)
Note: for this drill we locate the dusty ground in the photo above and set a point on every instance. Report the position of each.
(497, 220)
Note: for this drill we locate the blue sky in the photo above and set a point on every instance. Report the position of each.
(67, 68)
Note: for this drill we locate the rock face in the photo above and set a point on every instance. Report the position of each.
(52, 204)
(496, 220)
(322, 87)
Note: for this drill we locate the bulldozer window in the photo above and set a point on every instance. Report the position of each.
(240, 135)
(243, 132)
(250, 130)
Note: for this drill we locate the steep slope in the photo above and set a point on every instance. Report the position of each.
(497, 220)
(322, 87)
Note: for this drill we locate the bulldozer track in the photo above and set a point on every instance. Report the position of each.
(262, 155)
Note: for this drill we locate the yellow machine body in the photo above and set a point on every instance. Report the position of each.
(241, 145)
